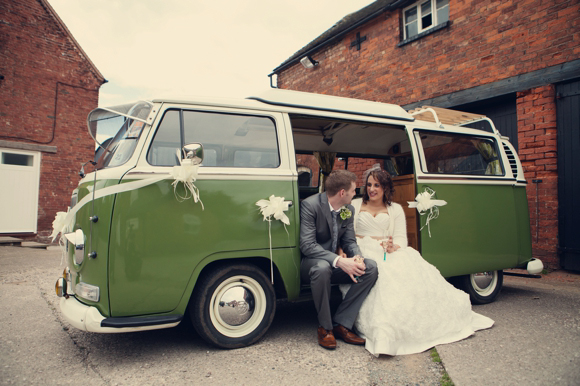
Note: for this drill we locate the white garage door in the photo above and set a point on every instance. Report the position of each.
(19, 179)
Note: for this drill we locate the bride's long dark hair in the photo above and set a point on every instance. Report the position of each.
(386, 182)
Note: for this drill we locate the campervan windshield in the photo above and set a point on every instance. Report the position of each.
(116, 130)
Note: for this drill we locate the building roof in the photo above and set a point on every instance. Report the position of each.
(69, 35)
(341, 28)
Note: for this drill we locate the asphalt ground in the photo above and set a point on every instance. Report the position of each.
(535, 341)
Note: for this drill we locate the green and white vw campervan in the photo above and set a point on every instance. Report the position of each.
(167, 223)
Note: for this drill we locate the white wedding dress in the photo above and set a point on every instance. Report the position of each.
(411, 308)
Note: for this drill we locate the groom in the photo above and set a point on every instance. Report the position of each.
(326, 223)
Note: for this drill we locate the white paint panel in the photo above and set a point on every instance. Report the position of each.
(19, 181)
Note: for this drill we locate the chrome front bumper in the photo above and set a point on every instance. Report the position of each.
(88, 318)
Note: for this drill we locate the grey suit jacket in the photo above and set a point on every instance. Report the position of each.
(316, 230)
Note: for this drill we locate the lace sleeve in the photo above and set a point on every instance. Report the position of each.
(400, 226)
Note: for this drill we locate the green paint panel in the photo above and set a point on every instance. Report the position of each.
(157, 242)
(478, 230)
(523, 221)
(94, 271)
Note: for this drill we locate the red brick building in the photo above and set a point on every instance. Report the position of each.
(516, 61)
(48, 85)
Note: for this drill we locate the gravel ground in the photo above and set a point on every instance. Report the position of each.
(38, 347)
(535, 341)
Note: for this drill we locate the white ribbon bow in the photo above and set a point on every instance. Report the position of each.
(59, 225)
(273, 207)
(424, 202)
(186, 173)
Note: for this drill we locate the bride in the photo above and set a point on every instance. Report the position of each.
(411, 307)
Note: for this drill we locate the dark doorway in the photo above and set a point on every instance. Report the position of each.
(501, 110)
(568, 110)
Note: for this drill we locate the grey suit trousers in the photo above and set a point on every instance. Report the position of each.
(321, 275)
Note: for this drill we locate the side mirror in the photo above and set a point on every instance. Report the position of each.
(193, 151)
(78, 240)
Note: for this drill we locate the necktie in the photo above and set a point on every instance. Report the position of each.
(334, 231)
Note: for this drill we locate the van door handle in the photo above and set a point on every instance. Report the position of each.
(289, 202)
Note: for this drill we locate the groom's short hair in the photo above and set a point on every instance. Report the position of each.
(338, 180)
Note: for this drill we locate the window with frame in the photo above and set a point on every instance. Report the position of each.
(459, 154)
(229, 140)
(424, 15)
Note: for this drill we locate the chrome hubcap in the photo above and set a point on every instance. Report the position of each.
(484, 282)
(236, 306)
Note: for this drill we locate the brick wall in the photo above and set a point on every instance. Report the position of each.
(355, 165)
(538, 151)
(45, 96)
(486, 41)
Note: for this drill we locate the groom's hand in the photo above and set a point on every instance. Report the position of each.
(351, 267)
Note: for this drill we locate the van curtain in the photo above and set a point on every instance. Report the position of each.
(490, 156)
(326, 163)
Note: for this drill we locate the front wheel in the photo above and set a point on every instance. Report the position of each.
(483, 287)
(233, 306)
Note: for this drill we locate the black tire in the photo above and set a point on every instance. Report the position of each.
(233, 306)
(483, 287)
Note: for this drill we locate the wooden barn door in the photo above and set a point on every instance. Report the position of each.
(568, 110)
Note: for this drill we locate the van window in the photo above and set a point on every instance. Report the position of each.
(167, 142)
(242, 141)
(450, 153)
(229, 140)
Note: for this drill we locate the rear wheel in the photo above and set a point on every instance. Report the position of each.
(482, 287)
(233, 306)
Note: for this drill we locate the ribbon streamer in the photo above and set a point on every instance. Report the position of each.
(59, 225)
(273, 207)
(424, 202)
(186, 173)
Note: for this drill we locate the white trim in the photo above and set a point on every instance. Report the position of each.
(242, 174)
(434, 18)
(466, 181)
(231, 174)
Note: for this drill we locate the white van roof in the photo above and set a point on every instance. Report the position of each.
(320, 102)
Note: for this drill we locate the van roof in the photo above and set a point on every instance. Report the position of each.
(305, 100)
(289, 99)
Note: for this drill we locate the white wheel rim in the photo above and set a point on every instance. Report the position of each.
(484, 283)
(259, 310)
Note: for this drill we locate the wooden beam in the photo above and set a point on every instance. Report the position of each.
(549, 75)
(27, 146)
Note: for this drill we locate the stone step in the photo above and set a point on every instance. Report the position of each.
(34, 244)
(7, 240)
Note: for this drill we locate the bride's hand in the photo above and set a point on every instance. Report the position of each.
(351, 267)
(392, 247)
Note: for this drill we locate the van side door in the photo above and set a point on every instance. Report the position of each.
(477, 230)
(160, 242)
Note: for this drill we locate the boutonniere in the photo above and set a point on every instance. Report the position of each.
(345, 213)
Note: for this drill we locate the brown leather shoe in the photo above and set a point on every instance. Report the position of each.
(347, 335)
(326, 338)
